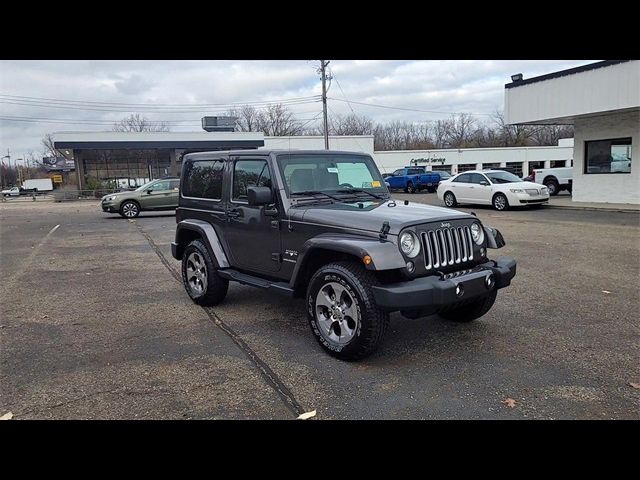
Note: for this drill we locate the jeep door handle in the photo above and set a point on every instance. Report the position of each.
(233, 213)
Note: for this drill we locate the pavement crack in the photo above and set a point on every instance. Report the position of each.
(269, 376)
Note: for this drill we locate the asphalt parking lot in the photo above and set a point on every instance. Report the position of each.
(96, 325)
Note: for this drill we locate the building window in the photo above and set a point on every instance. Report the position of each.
(463, 167)
(486, 166)
(558, 163)
(608, 156)
(515, 168)
(535, 165)
(441, 168)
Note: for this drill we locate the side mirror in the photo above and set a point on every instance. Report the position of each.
(484, 182)
(259, 196)
(149, 191)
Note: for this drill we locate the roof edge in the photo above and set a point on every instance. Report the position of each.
(563, 73)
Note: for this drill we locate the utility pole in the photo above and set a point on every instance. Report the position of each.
(323, 72)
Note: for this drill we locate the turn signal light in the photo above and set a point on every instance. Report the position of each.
(367, 260)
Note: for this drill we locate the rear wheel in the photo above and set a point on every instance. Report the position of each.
(411, 187)
(553, 186)
(199, 276)
(450, 199)
(342, 312)
(471, 311)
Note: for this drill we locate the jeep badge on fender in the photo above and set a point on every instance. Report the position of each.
(318, 225)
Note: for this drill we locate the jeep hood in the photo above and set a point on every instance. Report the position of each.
(372, 215)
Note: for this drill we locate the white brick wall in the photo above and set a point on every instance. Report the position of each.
(608, 188)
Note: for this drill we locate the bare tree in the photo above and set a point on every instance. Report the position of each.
(351, 124)
(248, 118)
(49, 149)
(550, 134)
(137, 123)
(461, 128)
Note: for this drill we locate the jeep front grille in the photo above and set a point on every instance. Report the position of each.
(447, 246)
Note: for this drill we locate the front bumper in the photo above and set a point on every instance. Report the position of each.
(109, 208)
(434, 293)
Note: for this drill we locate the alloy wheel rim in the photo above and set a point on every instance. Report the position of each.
(196, 273)
(130, 209)
(448, 200)
(500, 202)
(336, 313)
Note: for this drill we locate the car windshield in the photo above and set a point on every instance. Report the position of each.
(309, 174)
(502, 177)
(139, 189)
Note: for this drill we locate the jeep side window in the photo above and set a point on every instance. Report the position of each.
(249, 173)
(203, 179)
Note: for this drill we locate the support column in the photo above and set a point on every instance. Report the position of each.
(173, 168)
(77, 158)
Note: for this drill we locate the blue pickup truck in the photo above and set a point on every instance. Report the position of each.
(413, 179)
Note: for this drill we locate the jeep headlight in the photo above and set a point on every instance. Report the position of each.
(477, 233)
(409, 244)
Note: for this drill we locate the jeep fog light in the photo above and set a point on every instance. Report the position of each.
(477, 233)
(409, 244)
(459, 290)
(489, 281)
(411, 267)
(482, 252)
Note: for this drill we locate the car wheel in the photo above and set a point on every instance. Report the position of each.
(553, 187)
(500, 202)
(130, 209)
(342, 313)
(471, 311)
(450, 199)
(199, 276)
(411, 188)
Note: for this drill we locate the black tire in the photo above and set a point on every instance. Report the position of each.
(500, 202)
(216, 287)
(450, 199)
(471, 311)
(553, 186)
(410, 187)
(129, 209)
(369, 328)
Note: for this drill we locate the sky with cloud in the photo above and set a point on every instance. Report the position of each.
(91, 95)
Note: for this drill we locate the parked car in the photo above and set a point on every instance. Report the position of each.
(555, 179)
(413, 179)
(11, 192)
(156, 195)
(322, 226)
(491, 187)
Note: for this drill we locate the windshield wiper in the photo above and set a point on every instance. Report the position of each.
(315, 193)
(359, 190)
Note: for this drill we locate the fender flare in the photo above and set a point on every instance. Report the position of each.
(208, 234)
(384, 254)
(494, 237)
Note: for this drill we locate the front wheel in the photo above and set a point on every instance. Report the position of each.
(129, 210)
(553, 187)
(199, 276)
(342, 312)
(471, 311)
(500, 202)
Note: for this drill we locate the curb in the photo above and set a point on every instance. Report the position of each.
(593, 209)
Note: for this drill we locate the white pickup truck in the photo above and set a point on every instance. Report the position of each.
(555, 179)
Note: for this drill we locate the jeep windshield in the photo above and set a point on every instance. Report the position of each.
(334, 176)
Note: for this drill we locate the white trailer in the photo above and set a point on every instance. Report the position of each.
(38, 184)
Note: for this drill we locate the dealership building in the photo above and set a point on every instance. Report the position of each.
(136, 157)
(602, 101)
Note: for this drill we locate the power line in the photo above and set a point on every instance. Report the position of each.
(162, 105)
(405, 108)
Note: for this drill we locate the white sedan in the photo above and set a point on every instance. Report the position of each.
(491, 187)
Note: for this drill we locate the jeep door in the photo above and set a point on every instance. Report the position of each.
(252, 233)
